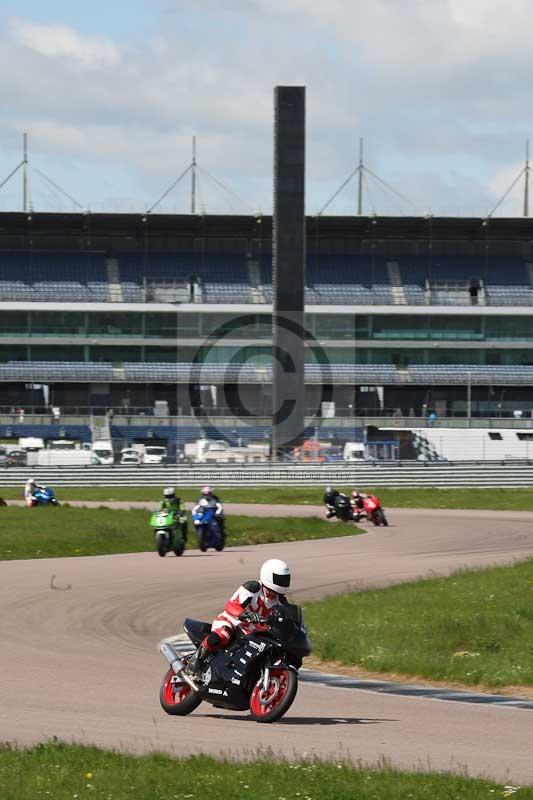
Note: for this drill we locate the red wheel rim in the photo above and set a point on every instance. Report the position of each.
(261, 702)
(174, 693)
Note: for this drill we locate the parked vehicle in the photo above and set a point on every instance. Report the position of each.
(102, 450)
(374, 512)
(258, 671)
(207, 526)
(45, 497)
(17, 458)
(170, 531)
(155, 455)
(130, 456)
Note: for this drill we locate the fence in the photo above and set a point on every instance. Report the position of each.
(408, 474)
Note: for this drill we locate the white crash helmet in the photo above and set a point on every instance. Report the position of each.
(276, 575)
(169, 491)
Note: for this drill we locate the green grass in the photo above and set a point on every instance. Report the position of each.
(63, 772)
(475, 627)
(502, 499)
(69, 531)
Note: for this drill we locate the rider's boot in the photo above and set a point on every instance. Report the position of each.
(198, 662)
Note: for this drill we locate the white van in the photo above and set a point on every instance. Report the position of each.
(154, 455)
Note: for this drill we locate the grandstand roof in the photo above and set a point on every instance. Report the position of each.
(91, 226)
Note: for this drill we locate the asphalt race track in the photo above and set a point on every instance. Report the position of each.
(78, 655)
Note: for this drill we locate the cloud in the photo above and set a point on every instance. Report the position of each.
(438, 88)
(60, 41)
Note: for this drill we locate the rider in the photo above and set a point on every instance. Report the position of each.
(170, 502)
(357, 503)
(29, 490)
(331, 497)
(247, 608)
(209, 495)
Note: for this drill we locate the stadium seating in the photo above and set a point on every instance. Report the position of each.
(331, 279)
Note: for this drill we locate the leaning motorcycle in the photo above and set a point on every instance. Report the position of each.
(170, 531)
(208, 527)
(258, 671)
(374, 512)
(44, 497)
(343, 509)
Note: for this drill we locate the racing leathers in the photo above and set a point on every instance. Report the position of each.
(171, 504)
(251, 604)
(29, 490)
(219, 509)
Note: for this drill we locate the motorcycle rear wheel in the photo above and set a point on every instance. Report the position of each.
(279, 697)
(177, 699)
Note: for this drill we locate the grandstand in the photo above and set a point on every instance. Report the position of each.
(404, 315)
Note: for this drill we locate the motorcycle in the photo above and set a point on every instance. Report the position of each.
(342, 509)
(258, 671)
(208, 527)
(170, 531)
(44, 497)
(374, 512)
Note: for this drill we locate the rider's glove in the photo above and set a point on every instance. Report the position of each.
(251, 616)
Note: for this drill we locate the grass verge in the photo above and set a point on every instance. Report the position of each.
(69, 531)
(503, 499)
(475, 627)
(64, 772)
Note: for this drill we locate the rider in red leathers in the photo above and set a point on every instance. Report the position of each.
(357, 504)
(246, 609)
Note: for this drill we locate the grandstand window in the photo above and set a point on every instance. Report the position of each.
(442, 356)
(339, 326)
(167, 354)
(495, 436)
(14, 322)
(509, 328)
(57, 322)
(400, 357)
(115, 354)
(341, 355)
(399, 327)
(165, 325)
(15, 352)
(51, 353)
(115, 324)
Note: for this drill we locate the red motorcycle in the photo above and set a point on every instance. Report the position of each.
(373, 510)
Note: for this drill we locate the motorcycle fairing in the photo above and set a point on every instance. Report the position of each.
(196, 630)
(232, 671)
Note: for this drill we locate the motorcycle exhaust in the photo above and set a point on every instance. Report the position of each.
(177, 664)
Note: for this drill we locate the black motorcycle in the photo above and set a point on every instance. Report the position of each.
(258, 671)
(342, 509)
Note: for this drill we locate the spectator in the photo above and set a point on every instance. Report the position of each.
(56, 414)
(20, 412)
(432, 418)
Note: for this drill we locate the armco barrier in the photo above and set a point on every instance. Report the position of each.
(415, 474)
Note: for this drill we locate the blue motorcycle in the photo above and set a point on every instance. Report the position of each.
(208, 527)
(45, 497)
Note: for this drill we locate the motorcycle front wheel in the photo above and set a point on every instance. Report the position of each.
(176, 697)
(161, 544)
(203, 538)
(272, 704)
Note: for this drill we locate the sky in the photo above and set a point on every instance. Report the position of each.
(111, 94)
